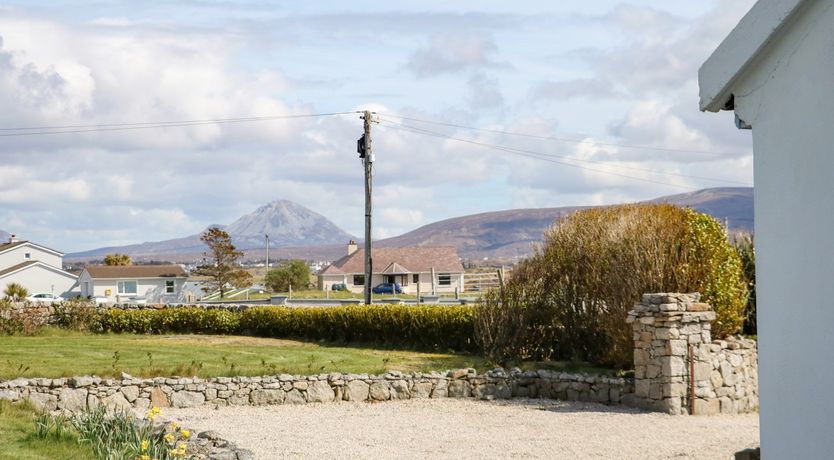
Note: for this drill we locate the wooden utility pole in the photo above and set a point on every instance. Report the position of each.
(367, 156)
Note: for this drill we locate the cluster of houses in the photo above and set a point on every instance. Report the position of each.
(40, 270)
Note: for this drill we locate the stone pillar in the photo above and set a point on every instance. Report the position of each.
(671, 337)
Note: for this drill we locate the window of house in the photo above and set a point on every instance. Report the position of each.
(444, 279)
(358, 280)
(127, 287)
(415, 278)
(169, 287)
(27, 255)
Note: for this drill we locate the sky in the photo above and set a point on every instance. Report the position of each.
(573, 103)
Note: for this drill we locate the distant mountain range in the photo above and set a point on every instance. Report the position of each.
(512, 233)
(288, 225)
(297, 232)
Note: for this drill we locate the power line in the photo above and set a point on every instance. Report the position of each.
(74, 129)
(545, 156)
(563, 139)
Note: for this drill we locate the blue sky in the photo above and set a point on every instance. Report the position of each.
(612, 74)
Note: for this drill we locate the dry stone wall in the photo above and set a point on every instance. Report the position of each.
(679, 369)
(79, 393)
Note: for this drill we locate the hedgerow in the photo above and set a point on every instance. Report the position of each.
(571, 298)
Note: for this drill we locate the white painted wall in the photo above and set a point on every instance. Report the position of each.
(152, 289)
(37, 278)
(788, 98)
(17, 255)
(327, 281)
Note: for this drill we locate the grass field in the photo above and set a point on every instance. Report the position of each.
(56, 353)
(18, 440)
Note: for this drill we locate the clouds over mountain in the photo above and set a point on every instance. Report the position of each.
(614, 74)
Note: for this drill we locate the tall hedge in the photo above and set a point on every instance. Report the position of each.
(424, 327)
(571, 298)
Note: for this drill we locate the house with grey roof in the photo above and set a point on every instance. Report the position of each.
(35, 267)
(429, 269)
(134, 283)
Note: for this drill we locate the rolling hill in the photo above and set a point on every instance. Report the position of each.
(297, 232)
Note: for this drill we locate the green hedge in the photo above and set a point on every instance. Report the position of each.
(181, 320)
(424, 327)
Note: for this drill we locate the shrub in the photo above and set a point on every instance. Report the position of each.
(746, 249)
(77, 315)
(571, 298)
(15, 292)
(17, 321)
(170, 320)
(425, 327)
(293, 273)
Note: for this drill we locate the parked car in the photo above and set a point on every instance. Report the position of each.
(387, 288)
(44, 297)
(339, 287)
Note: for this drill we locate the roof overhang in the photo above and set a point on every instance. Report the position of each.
(40, 264)
(734, 56)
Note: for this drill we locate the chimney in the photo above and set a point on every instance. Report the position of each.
(352, 247)
(13, 239)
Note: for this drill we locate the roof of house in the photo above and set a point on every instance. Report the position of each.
(17, 267)
(29, 263)
(135, 271)
(728, 63)
(399, 261)
(7, 246)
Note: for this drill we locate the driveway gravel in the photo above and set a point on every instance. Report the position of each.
(457, 428)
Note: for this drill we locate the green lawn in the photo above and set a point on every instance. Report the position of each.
(56, 353)
(18, 440)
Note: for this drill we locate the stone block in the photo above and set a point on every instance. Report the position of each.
(676, 347)
(653, 371)
(379, 391)
(320, 392)
(459, 389)
(142, 404)
(707, 406)
(672, 366)
(117, 403)
(73, 400)
(399, 389)
(294, 396)
(421, 390)
(159, 398)
(357, 390)
(187, 399)
(44, 401)
(441, 389)
(727, 373)
(264, 397)
(715, 379)
(641, 388)
(130, 392)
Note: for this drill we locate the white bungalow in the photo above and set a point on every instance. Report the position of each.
(434, 270)
(35, 267)
(131, 283)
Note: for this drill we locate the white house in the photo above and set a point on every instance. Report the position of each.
(776, 71)
(129, 283)
(35, 267)
(435, 270)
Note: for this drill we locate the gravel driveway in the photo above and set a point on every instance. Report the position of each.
(454, 428)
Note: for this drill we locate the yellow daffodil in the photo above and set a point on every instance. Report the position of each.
(174, 426)
(185, 434)
(169, 438)
(144, 445)
(144, 457)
